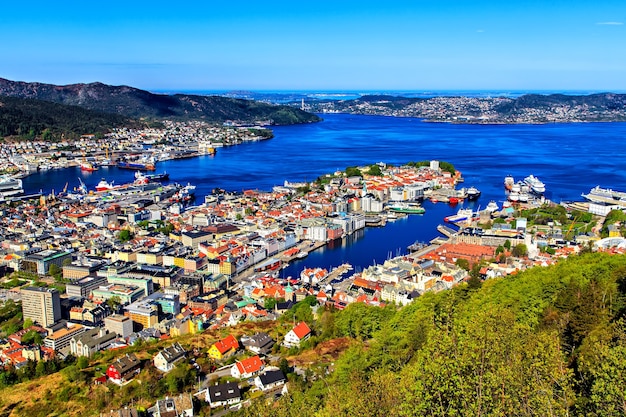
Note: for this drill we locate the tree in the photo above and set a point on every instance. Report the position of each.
(519, 251)
(507, 244)
(375, 170)
(32, 338)
(353, 172)
(125, 235)
(82, 362)
(27, 323)
(463, 263)
(270, 303)
(114, 302)
(55, 272)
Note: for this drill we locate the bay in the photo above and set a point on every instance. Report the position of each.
(569, 158)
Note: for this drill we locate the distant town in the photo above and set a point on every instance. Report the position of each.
(529, 108)
(106, 270)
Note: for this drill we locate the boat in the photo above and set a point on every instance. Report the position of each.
(88, 166)
(492, 206)
(508, 182)
(536, 186)
(408, 208)
(605, 195)
(149, 166)
(10, 186)
(141, 178)
(473, 193)
(516, 187)
(453, 200)
(513, 196)
(461, 215)
(523, 197)
(104, 185)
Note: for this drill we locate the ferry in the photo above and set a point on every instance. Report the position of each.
(536, 186)
(408, 208)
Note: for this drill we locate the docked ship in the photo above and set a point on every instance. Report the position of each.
(473, 193)
(408, 208)
(104, 185)
(460, 216)
(508, 182)
(605, 195)
(88, 166)
(536, 186)
(142, 178)
(148, 166)
(10, 186)
(492, 206)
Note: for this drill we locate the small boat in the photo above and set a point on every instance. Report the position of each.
(453, 200)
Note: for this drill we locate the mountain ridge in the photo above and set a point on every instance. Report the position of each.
(136, 103)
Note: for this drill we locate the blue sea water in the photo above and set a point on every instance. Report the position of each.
(569, 158)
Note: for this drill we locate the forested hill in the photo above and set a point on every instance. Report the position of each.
(136, 103)
(530, 108)
(547, 342)
(29, 118)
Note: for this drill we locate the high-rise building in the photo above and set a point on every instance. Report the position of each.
(41, 305)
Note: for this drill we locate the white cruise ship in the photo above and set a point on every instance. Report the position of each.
(535, 184)
(605, 195)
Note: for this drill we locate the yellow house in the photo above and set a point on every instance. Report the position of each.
(223, 348)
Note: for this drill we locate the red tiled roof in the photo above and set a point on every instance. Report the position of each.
(301, 330)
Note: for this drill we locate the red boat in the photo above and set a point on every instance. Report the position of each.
(88, 166)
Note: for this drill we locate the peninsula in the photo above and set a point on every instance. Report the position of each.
(530, 108)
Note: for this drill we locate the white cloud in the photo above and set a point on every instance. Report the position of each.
(610, 23)
(480, 31)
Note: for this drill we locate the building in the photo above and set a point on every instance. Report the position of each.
(247, 368)
(144, 314)
(124, 369)
(296, 335)
(39, 262)
(61, 338)
(118, 324)
(223, 348)
(179, 406)
(259, 343)
(41, 305)
(83, 286)
(270, 380)
(164, 360)
(125, 294)
(223, 394)
(91, 341)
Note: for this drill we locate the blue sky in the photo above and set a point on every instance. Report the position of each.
(322, 45)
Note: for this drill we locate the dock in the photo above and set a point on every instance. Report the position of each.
(445, 230)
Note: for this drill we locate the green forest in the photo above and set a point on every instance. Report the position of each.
(547, 342)
(30, 119)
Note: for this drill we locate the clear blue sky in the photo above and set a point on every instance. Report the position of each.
(322, 45)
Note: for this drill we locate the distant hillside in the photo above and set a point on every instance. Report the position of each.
(135, 103)
(29, 118)
(531, 108)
